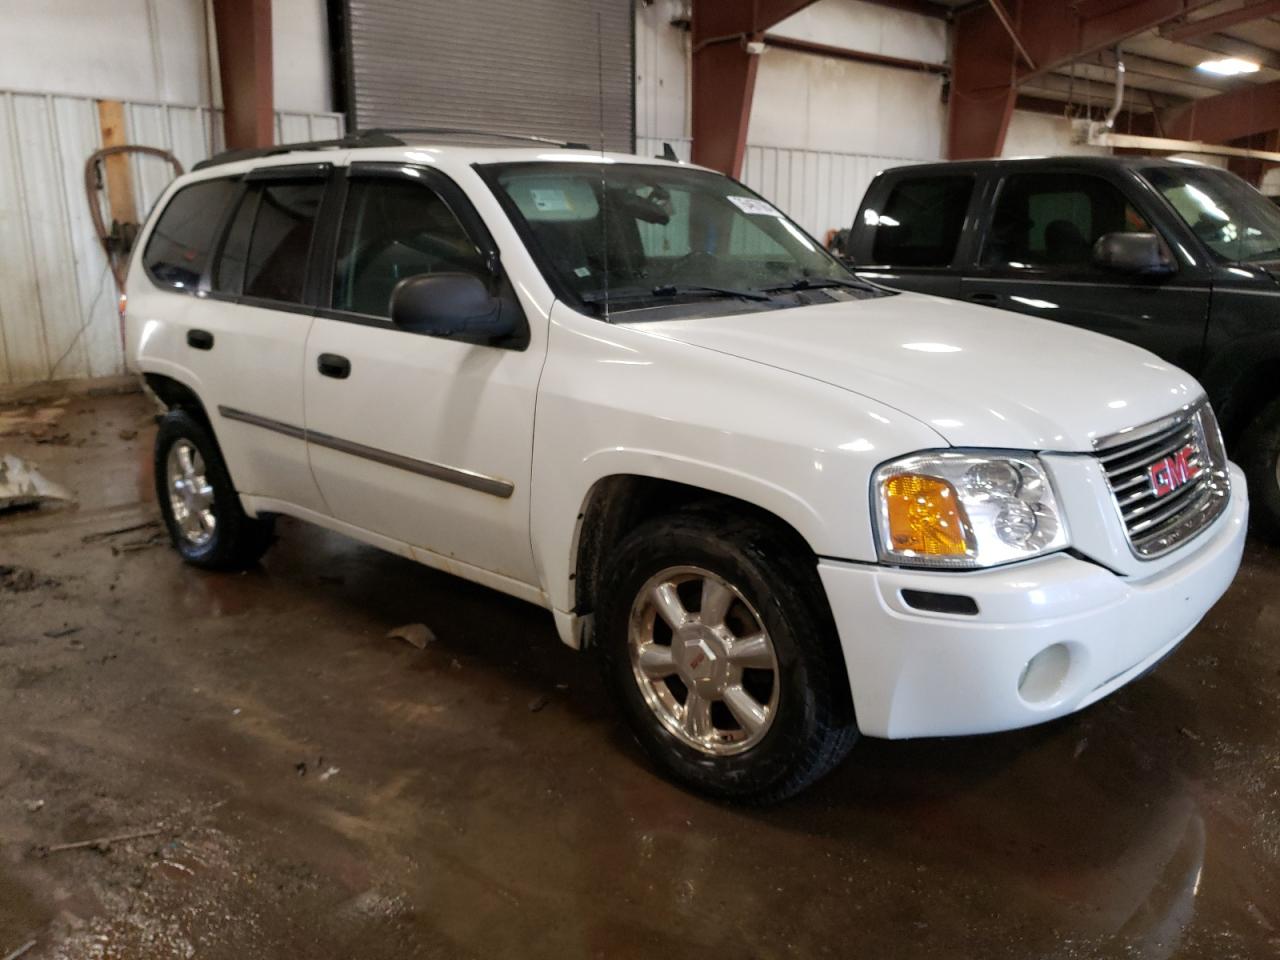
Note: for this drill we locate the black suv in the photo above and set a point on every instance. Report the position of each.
(1177, 257)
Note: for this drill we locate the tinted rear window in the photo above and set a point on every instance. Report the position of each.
(281, 242)
(921, 221)
(179, 246)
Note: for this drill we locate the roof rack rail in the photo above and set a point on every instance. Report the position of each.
(376, 137)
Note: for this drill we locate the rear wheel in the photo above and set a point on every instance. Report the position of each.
(201, 508)
(1260, 452)
(716, 641)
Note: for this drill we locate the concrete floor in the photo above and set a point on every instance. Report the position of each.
(322, 791)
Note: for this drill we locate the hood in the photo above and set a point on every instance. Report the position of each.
(979, 377)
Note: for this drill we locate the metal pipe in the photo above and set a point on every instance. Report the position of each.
(1116, 104)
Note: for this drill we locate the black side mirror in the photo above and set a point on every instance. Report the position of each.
(1142, 253)
(453, 305)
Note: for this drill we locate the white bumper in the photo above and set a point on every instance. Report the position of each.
(920, 674)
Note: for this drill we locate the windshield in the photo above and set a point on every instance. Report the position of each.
(1232, 219)
(633, 235)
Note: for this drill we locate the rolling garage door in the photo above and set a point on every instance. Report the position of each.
(544, 67)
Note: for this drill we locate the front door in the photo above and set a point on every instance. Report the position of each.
(1037, 258)
(424, 440)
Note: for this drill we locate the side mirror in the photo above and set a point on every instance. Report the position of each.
(453, 305)
(1141, 253)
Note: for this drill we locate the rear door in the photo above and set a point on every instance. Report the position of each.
(424, 440)
(1036, 258)
(250, 327)
(910, 230)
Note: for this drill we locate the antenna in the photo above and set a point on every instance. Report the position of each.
(604, 186)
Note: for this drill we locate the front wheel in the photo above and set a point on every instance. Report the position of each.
(201, 508)
(716, 640)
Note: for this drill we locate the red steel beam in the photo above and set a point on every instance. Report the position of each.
(724, 74)
(243, 30)
(1238, 113)
(983, 65)
(1221, 21)
(857, 56)
(987, 66)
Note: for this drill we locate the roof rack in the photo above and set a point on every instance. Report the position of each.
(378, 137)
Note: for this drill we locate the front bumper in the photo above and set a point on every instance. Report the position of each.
(920, 674)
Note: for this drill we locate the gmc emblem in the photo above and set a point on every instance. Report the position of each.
(1173, 472)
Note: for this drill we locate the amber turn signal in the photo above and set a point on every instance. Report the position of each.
(925, 516)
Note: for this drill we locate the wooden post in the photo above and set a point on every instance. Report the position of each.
(119, 176)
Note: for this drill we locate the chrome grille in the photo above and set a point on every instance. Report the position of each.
(1157, 524)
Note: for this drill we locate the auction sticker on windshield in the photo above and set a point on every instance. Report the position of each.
(754, 205)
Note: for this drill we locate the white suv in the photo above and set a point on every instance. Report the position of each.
(785, 506)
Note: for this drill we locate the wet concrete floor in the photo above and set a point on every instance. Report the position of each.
(318, 790)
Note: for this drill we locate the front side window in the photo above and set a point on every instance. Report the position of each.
(392, 230)
(276, 262)
(921, 221)
(1236, 222)
(1054, 219)
(636, 235)
(179, 246)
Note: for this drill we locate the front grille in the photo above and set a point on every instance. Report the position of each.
(1157, 523)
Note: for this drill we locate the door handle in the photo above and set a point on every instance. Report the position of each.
(332, 365)
(984, 297)
(200, 339)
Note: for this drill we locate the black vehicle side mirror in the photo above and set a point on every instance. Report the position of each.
(1142, 253)
(451, 305)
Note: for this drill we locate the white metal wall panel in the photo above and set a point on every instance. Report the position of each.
(57, 299)
(557, 68)
(820, 190)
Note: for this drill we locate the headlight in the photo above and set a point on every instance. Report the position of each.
(965, 510)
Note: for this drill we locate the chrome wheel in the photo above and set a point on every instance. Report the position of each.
(703, 660)
(190, 494)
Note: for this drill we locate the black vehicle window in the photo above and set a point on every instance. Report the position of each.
(393, 229)
(228, 271)
(179, 246)
(1054, 219)
(921, 221)
(281, 241)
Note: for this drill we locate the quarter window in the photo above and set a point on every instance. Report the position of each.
(392, 230)
(1054, 219)
(921, 221)
(179, 246)
(276, 264)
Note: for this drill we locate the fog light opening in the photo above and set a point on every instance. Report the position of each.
(1043, 676)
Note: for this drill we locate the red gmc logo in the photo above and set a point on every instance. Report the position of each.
(1174, 471)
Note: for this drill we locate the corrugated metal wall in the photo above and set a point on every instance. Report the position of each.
(57, 301)
(556, 68)
(820, 190)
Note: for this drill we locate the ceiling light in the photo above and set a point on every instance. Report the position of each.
(1230, 67)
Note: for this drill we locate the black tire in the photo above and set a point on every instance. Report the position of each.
(237, 540)
(1260, 453)
(813, 726)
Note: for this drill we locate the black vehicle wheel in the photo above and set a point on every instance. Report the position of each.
(198, 502)
(716, 640)
(1260, 452)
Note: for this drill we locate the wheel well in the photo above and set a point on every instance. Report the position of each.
(177, 396)
(617, 505)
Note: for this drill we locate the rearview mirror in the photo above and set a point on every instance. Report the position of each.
(1142, 253)
(453, 305)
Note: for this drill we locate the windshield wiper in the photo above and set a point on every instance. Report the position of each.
(630, 294)
(680, 290)
(817, 283)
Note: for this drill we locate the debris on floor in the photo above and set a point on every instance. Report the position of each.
(22, 580)
(22, 485)
(21, 951)
(415, 634)
(100, 844)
